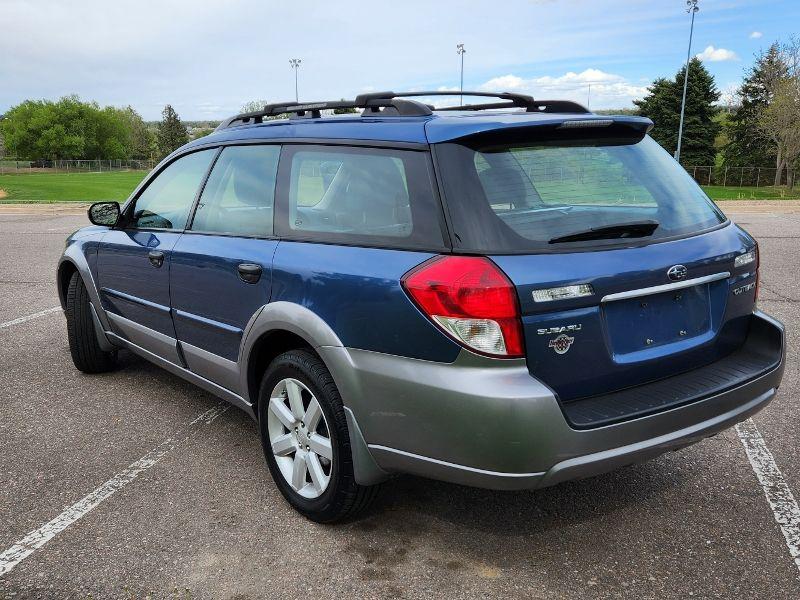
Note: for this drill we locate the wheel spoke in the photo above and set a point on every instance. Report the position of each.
(318, 477)
(295, 399)
(283, 445)
(299, 471)
(321, 445)
(280, 410)
(313, 415)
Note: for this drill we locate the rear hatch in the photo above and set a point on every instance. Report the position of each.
(637, 325)
(626, 273)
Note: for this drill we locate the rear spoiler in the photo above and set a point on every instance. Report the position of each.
(557, 127)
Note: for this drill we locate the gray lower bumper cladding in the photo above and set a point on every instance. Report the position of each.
(488, 423)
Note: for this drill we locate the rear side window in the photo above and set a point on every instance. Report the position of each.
(238, 196)
(523, 197)
(166, 201)
(368, 196)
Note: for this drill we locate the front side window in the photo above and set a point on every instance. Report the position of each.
(360, 195)
(238, 196)
(564, 194)
(166, 201)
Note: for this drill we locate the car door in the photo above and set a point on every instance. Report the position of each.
(220, 275)
(134, 260)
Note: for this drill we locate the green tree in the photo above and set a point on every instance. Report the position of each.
(172, 133)
(748, 146)
(780, 122)
(344, 111)
(700, 128)
(199, 132)
(253, 106)
(258, 106)
(67, 128)
(141, 138)
(37, 129)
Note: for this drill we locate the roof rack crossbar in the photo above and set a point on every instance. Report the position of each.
(400, 104)
(520, 100)
(545, 106)
(371, 105)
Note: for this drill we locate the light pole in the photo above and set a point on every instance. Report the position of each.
(461, 51)
(295, 64)
(692, 8)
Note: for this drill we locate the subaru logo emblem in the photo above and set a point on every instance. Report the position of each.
(561, 344)
(677, 272)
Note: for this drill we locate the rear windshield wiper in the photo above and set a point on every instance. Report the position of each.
(631, 229)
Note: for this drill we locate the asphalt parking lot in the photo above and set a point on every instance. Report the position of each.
(205, 520)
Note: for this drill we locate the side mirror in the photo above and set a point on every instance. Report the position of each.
(104, 213)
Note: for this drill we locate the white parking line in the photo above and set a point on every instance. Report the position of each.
(779, 496)
(41, 313)
(39, 537)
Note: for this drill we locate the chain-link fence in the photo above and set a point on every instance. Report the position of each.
(704, 175)
(13, 165)
(738, 176)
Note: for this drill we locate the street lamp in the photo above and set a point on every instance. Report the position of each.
(461, 51)
(295, 64)
(692, 8)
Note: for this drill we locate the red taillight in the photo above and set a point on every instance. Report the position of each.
(471, 300)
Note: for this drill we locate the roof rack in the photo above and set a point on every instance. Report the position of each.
(391, 103)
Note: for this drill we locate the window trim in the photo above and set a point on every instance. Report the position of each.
(190, 222)
(130, 204)
(283, 142)
(281, 214)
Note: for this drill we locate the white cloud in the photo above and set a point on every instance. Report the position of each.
(608, 90)
(756, 35)
(712, 54)
(504, 83)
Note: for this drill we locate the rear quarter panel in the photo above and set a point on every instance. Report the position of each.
(357, 292)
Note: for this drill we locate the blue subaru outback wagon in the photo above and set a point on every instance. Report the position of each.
(506, 294)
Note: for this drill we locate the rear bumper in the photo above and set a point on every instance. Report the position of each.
(488, 423)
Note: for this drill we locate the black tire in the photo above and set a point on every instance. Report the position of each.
(86, 352)
(343, 499)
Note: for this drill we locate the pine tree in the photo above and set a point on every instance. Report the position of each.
(748, 146)
(172, 133)
(663, 106)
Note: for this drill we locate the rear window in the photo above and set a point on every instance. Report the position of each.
(548, 195)
(359, 196)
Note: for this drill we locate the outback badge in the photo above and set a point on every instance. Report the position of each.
(561, 344)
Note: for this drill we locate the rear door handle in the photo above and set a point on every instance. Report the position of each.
(156, 258)
(249, 272)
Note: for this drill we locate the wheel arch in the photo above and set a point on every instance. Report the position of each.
(66, 269)
(76, 258)
(265, 349)
(277, 328)
(283, 326)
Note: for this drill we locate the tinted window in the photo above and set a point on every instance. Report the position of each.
(360, 195)
(166, 201)
(238, 196)
(518, 197)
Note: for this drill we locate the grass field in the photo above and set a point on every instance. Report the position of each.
(59, 187)
(717, 192)
(92, 187)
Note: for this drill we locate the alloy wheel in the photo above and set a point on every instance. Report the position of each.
(300, 438)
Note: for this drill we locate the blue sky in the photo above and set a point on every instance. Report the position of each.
(208, 57)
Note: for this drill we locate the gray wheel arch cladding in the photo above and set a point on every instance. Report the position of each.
(304, 323)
